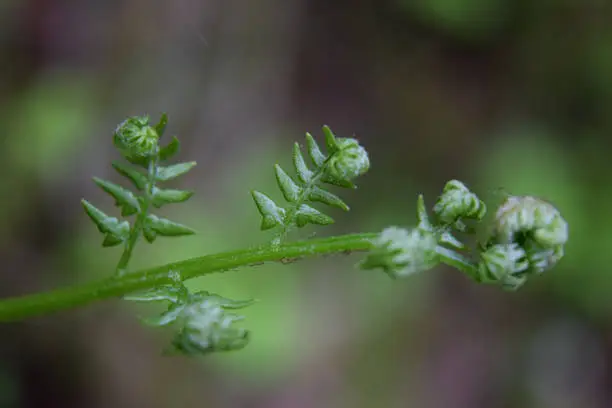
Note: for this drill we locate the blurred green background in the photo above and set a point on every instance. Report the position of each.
(510, 94)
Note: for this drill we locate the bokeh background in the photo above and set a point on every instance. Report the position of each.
(503, 94)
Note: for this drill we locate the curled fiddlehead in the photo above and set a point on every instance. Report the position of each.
(138, 143)
(344, 161)
(527, 238)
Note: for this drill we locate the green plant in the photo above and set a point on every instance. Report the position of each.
(525, 237)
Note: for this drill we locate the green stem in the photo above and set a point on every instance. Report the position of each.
(121, 268)
(48, 302)
(456, 260)
(141, 218)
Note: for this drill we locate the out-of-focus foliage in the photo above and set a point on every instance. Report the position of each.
(469, 19)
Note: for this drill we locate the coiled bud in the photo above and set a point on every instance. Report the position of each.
(457, 202)
(349, 161)
(528, 233)
(542, 259)
(402, 252)
(504, 263)
(530, 217)
(136, 139)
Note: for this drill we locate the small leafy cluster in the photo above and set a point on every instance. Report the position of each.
(527, 238)
(344, 161)
(138, 143)
(201, 318)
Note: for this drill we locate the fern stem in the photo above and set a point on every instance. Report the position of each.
(17, 308)
(121, 268)
(141, 218)
(456, 260)
(43, 303)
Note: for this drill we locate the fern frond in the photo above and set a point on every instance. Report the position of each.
(173, 171)
(155, 226)
(345, 160)
(115, 231)
(138, 179)
(124, 198)
(138, 143)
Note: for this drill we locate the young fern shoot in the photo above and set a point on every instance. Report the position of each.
(525, 237)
